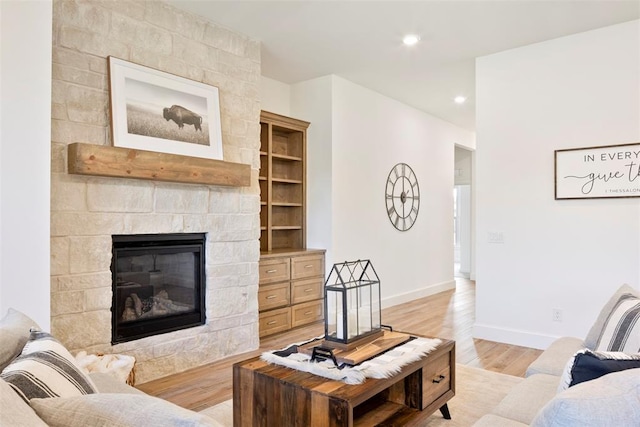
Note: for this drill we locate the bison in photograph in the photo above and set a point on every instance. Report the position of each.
(182, 116)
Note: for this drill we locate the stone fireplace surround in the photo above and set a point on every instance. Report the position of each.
(87, 211)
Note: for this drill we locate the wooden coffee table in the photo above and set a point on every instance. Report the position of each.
(273, 395)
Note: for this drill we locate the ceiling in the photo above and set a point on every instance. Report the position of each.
(361, 41)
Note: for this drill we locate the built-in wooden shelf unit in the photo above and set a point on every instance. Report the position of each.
(282, 182)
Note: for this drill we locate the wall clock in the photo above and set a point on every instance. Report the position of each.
(402, 196)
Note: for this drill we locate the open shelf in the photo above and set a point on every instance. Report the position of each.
(285, 239)
(285, 204)
(289, 158)
(377, 411)
(287, 181)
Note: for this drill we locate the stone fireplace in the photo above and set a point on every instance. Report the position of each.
(87, 211)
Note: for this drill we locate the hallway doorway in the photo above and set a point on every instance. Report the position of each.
(462, 230)
(462, 213)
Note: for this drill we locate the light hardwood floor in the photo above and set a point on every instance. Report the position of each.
(449, 314)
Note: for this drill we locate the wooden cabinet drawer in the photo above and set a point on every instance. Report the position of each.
(273, 270)
(273, 296)
(309, 266)
(436, 379)
(307, 290)
(275, 321)
(307, 312)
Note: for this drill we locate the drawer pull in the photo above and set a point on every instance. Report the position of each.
(309, 290)
(438, 379)
(270, 297)
(308, 313)
(308, 266)
(273, 322)
(271, 271)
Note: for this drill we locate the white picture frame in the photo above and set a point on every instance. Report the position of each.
(598, 172)
(157, 111)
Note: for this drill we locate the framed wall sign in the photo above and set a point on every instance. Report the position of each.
(157, 111)
(598, 172)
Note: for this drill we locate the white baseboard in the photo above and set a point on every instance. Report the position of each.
(513, 336)
(420, 293)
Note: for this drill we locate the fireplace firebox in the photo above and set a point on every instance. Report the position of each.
(158, 284)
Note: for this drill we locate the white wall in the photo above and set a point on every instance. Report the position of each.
(312, 101)
(372, 133)
(356, 136)
(275, 96)
(577, 91)
(25, 141)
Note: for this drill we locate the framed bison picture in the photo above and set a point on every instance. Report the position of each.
(157, 111)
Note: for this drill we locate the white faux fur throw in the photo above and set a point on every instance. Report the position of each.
(119, 366)
(383, 366)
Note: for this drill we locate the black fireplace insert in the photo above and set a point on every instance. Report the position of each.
(158, 284)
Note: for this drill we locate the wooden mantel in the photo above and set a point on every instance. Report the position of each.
(100, 160)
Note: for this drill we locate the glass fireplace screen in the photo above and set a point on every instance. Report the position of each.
(158, 284)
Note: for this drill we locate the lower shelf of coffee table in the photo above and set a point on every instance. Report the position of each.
(389, 413)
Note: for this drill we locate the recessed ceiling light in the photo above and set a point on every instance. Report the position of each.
(459, 99)
(410, 39)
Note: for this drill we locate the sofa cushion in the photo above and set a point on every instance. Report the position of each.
(14, 333)
(605, 320)
(611, 400)
(46, 369)
(587, 365)
(14, 411)
(525, 400)
(554, 359)
(106, 383)
(116, 410)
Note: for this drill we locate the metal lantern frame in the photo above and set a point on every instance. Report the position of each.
(356, 288)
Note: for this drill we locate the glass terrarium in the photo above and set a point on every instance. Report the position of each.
(352, 304)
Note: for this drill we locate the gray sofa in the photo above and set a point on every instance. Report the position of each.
(612, 400)
(113, 404)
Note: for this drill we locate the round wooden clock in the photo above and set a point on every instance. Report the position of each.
(402, 196)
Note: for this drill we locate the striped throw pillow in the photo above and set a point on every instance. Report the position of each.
(45, 368)
(621, 330)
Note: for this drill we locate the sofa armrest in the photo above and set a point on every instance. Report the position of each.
(611, 400)
(554, 359)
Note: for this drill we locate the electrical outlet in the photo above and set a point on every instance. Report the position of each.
(556, 315)
(496, 237)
